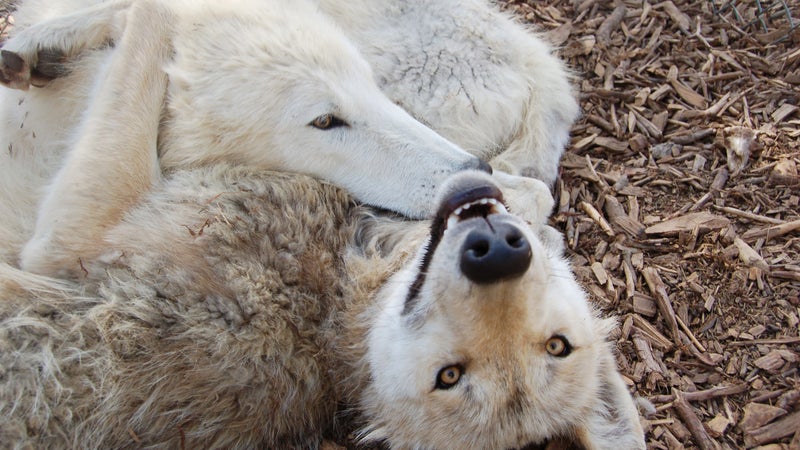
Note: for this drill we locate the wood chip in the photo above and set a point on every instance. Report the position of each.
(693, 423)
(646, 354)
(784, 111)
(718, 425)
(611, 144)
(611, 24)
(595, 215)
(720, 178)
(600, 273)
(685, 92)
(678, 17)
(644, 305)
(749, 256)
(772, 232)
(757, 415)
(772, 362)
(618, 217)
(701, 221)
(774, 431)
(659, 291)
(652, 334)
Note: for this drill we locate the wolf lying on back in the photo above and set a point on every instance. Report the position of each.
(213, 325)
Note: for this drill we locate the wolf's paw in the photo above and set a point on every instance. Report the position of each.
(20, 70)
(526, 197)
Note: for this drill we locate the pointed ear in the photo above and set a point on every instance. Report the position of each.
(614, 421)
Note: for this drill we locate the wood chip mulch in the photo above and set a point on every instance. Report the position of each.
(679, 202)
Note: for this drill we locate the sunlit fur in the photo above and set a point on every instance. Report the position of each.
(208, 323)
(238, 81)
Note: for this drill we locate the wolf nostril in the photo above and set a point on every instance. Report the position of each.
(516, 240)
(479, 248)
(484, 166)
(490, 255)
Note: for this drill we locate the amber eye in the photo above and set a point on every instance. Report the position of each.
(327, 121)
(558, 346)
(449, 376)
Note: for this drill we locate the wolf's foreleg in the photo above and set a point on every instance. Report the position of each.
(114, 161)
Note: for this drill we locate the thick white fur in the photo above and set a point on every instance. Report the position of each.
(212, 325)
(245, 80)
(471, 73)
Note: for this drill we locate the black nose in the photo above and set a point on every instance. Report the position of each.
(494, 254)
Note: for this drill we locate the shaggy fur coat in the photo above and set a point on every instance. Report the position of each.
(227, 310)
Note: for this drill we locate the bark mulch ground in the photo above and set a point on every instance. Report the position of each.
(679, 203)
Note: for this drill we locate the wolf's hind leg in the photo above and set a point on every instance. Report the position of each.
(37, 54)
(114, 161)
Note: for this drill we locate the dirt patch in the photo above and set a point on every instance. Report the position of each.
(679, 203)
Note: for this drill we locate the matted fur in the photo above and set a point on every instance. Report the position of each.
(209, 323)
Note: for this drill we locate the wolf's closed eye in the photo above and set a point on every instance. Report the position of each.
(327, 121)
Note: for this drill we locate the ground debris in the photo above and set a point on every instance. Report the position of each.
(680, 193)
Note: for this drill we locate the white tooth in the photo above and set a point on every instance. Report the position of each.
(466, 206)
(458, 211)
(492, 201)
(452, 221)
(484, 201)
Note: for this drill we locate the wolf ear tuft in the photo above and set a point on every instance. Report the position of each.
(614, 422)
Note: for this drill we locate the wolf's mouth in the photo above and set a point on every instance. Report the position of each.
(478, 201)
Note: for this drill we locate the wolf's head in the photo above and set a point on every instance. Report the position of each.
(487, 341)
(277, 85)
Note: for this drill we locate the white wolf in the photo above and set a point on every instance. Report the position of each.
(266, 84)
(216, 326)
(471, 73)
(204, 321)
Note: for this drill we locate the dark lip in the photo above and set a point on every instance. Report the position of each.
(448, 206)
(463, 197)
(560, 442)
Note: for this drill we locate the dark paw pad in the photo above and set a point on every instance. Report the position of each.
(14, 71)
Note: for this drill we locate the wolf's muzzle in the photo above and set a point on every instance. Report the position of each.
(495, 251)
